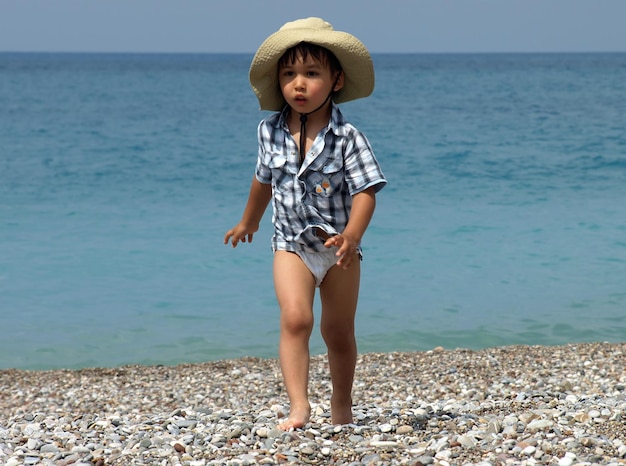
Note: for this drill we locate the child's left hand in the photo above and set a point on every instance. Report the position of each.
(347, 249)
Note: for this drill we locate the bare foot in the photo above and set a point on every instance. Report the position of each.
(297, 418)
(340, 413)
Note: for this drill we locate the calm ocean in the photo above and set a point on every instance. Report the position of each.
(504, 220)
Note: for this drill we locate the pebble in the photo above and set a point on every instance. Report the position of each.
(404, 430)
(539, 424)
(514, 405)
(386, 428)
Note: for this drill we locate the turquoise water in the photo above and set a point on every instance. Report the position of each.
(504, 221)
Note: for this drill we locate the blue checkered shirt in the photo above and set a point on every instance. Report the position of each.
(317, 194)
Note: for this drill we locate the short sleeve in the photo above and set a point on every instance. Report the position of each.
(263, 172)
(362, 170)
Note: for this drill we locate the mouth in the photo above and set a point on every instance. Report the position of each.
(300, 99)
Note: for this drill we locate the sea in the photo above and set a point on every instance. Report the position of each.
(503, 221)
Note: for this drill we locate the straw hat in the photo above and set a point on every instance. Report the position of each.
(351, 53)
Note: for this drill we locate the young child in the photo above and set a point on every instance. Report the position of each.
(321, 175)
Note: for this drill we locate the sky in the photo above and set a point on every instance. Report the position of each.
(385, 26)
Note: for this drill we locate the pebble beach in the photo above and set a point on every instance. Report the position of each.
(518, 405)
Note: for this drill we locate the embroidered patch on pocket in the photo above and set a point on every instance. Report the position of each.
(323, 188)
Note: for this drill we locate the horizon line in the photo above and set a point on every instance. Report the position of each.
(130, 52)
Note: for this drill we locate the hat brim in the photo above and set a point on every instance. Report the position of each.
(352, 55)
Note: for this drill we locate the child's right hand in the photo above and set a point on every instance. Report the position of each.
(239, 233)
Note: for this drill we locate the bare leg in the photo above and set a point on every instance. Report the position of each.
(339, 292)
(295, 291)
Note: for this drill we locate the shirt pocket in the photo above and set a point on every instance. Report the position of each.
(283, 173)
(327, 179)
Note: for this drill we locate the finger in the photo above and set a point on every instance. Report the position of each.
(343, 250)
(336, 240)
(227, 236)
(345, 261)
(250, 235)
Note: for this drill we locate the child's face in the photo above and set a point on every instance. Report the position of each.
(305, 84)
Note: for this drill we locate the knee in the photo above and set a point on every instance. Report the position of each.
(338, 337)
(296, 323)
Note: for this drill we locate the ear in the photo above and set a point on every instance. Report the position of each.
(340, 82)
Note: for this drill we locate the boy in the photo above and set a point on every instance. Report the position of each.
(321, 175)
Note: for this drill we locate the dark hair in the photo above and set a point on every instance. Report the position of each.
(319, 53)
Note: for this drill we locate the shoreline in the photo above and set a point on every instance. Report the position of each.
(560, 405)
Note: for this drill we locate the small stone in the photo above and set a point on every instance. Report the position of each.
(529, 450)
(80, 449)
(307, 450)
(312, 433)
(33, 444)
(49, 448)
(384, 443)
(582, 417)
(186, 423)
(494, 427)
(509, 430)
(587, 442)
(373, 458)
(386, 428)
(404, 430)
(539, 424)
(248, 458)
(466, 441)
(279, 410)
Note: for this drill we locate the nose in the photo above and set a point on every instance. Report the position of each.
(299, 83)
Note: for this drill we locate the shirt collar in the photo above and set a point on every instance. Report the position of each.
(336, 123)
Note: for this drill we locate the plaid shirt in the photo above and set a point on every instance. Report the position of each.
(317, 194)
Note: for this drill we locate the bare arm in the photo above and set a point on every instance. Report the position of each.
(363, 205)
(258, 199)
